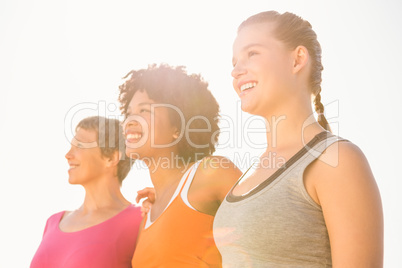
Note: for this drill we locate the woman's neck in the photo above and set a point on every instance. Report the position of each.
(104, 194)
(291, 128)
(166, 175)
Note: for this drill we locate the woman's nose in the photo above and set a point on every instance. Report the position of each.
(69, 154)
(238, 70)
(129, 122)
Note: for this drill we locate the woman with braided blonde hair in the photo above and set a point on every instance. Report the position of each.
(320, 207)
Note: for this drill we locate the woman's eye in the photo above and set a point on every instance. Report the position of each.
(144, 111)
(252, 53)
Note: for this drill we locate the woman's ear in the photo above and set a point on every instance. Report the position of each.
(300, 57)
(176, 134)
(114, 159)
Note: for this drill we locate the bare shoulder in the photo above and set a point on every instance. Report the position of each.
(342, 183)
(218, 173)
(341, 155)
(221, 167)
(343, 163)
(213, 179)
(342, 166)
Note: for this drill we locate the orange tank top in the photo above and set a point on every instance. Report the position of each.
(179, 237)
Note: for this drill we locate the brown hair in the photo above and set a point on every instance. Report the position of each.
(110, 140)
(294, 31)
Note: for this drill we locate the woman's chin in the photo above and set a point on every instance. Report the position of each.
(247, 108)
(133, 154)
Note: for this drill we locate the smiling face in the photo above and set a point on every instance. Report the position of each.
(148, 129)
(85, 158)
(262, 68)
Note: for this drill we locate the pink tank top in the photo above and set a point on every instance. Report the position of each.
(107, 244)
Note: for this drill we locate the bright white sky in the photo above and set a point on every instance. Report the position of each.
(61, 61)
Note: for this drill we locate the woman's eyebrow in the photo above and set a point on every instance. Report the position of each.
(145, 103)
(245, 48)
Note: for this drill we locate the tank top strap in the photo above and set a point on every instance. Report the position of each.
(189, 173)
(187, 184)
(189, 179)
(314, 152)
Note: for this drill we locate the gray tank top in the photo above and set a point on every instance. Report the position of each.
(276, 224)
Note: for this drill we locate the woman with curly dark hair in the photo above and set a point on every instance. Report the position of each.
(172, 126)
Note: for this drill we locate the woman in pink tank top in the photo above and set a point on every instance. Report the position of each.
(171, 123)
(101, 233)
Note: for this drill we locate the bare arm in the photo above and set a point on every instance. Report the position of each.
(348, 194)
(214, 178)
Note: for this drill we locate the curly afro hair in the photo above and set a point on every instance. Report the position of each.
(190, 94)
